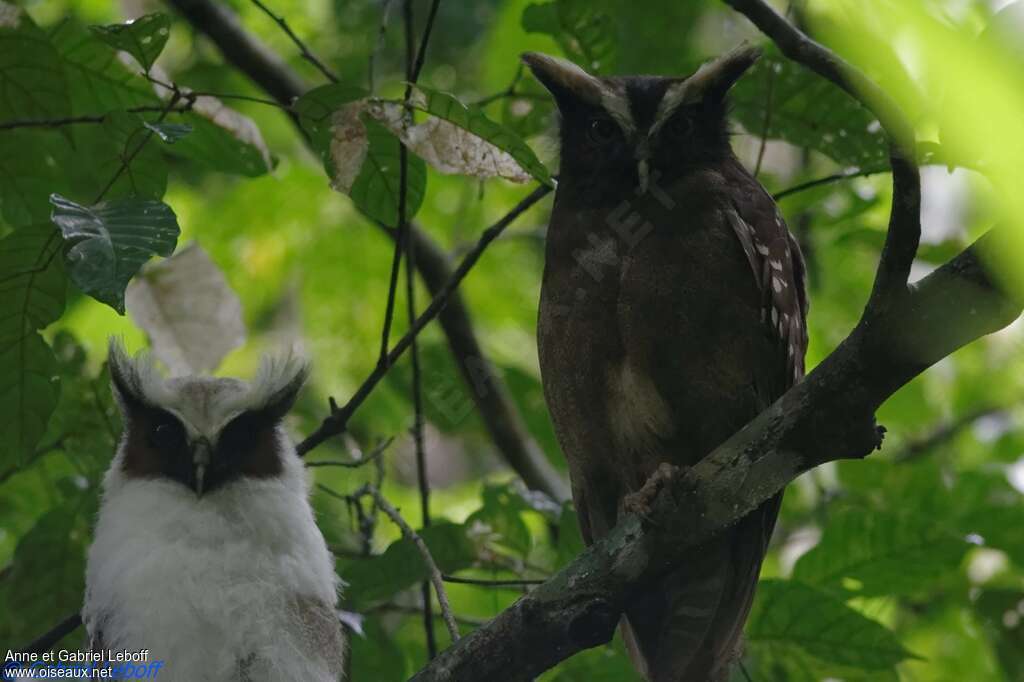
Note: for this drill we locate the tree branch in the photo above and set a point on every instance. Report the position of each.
(829, 416)
(498, 411)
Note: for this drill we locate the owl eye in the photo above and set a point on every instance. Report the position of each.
(167, 434)
(601, 129)
(679, 127)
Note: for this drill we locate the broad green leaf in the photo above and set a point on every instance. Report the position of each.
(771, 661)
(32, 290)
(143, 38)
(783, 100)
(401, 565)
(583, 29)
(222, 139)
(33, 164)
(871, 553)
(480, 152)
(100, 156)
(97, 80)
(109, 242)
(375, 190)
(47, 572)
(32, 84)
(316, 107)
(788, 612)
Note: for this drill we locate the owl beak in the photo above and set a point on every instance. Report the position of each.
(643, 163)
(643, 172)
(200, 463)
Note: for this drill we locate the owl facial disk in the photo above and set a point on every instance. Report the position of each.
(201, 455)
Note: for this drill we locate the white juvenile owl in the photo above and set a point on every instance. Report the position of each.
(206, 551)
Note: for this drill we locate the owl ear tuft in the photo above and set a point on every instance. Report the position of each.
(566, 81)
(714, 78)
(277, 384)
(133, 379)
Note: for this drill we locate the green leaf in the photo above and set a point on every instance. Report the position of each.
(97, 80)
(221, 139)
(32, 290)
(315, 108)
(501, 513)
(170, 132)
(375, 190)
(1002, 615)
(786, 101)
(473, 120)
(401, 565)
(110, 241)
(47, 573)
(787, 612)
(32, 84)
(143, 38)
(377, 655)
(871, 553)
(101, 153)
(32, 166)
(582, 28)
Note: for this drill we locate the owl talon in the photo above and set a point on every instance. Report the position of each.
(641, 501)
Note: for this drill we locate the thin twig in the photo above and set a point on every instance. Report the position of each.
(87, 118)
(306, 54)
(483, 582)
(413, 68)
(336, 423)
(510, 91)
(127, 160)
(767, 123)
(946, 432)
(356, 463)
(58, 632)
(382, 30)
(421, 546)
(829, 179)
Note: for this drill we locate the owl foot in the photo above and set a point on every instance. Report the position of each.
(640, 502)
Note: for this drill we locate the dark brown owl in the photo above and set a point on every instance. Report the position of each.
(672, 312)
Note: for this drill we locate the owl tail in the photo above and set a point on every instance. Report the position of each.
(689, 626)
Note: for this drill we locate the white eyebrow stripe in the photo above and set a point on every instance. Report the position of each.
(617, 107)
(675, 95)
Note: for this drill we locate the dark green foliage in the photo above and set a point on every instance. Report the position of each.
(917, 572)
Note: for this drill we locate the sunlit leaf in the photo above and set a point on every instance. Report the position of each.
(188, 310)
(143, 38)
(109, 242)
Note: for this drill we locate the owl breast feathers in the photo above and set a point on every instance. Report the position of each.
(672, 312)
(206, 551)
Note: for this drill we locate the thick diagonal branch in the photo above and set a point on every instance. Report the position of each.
(499, 413)
(827, 417)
